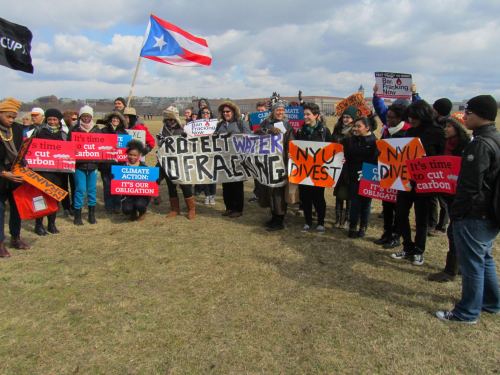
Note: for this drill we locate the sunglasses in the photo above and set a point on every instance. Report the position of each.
(227, 111)
(205, 113)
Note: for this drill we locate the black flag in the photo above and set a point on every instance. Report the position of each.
(15, 46)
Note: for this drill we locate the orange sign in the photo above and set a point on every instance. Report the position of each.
(315, 163)
(392, 159)
(357, 100)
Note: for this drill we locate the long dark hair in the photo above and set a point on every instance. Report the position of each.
(422, 111)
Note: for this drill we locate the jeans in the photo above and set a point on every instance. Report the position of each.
(85, 184)
(14, 219)
(313, 195)
(111, 202)
(406, 200)
(360, 209)
(209, 189)
(233, 195)
(390, 225)
(474, 241)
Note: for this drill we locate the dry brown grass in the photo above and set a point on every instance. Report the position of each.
(225, 296)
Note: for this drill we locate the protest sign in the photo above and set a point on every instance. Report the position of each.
(294, 114)
(393, 154)
(138, 134)
(94, 146)
(121, 147)
(369, 185)
(356, 100)
(51, 156)
(435, 174)
(134, 180)
(393, 85)
(315, 163)
(224, 158)
(39, 182)
(200, 127)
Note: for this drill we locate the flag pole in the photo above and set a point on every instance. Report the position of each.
(133, 81)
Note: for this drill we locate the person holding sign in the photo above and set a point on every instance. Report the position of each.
(172, 127)
(276, 123)
(114, 124)
(86, 171)
(231, 123)
(11, 138)
(132, 122)
(52, 130)
(208, 189)
(135, 206)
(431, 135)
(360, 148)
(341, 131)
(313, 130)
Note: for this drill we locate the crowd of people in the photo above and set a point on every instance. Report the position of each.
(468, 218)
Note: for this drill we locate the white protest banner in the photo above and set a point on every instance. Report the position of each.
(315, 163)
(224, 158)
(200, 127)
(138, 134)
(393, 85)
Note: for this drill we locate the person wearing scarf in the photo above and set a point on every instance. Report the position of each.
(11, 138)
(313, 130)
(85, 172)
(52, 130)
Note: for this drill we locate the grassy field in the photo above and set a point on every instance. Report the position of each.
(224, 296)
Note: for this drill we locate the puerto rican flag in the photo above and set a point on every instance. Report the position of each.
(169, 44)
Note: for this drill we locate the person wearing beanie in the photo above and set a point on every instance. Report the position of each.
(11, 138)
(172, 126)
(442, 107)
(37, 119)
(85, 171)
(114, 123)
(119, 104)
(274, 197)
(474, 221)
(52, 130)
(341, 131)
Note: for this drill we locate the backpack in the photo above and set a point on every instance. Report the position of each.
(494, 143)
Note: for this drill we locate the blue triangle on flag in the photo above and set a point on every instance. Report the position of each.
(160, 42)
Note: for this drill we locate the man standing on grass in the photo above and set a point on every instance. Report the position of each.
(474, 224)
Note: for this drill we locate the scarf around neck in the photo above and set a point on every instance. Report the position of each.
(10, 147)
(396, 128)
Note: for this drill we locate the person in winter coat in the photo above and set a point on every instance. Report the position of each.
(456, 141)
(276, 123)
(231, 123)
(360, 148)
(133, 123)
(172, 127)
(135, 206)
(396, 127)
(52, 129)
(423, 126)
(208, 189)
(341, 131)
(114, 124)
(313, 130)
(11, 138)
(85, 171)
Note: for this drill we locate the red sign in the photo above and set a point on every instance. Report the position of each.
(94, 146)
(435, 174)
(143, 188)
(372, 189)
(51, 156)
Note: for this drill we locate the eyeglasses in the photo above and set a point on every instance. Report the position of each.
(467, 112)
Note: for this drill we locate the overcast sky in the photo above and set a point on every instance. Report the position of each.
(89, 49)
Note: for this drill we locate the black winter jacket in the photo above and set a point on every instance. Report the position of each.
(359, 150)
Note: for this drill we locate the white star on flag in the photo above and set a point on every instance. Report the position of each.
(160, 42)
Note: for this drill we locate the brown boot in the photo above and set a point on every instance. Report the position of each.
(191, 208)
(174, 208)
(3, 251)
(18, 243)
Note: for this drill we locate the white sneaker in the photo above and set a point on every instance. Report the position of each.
(207, 199)
(320, 229)
(212, 200)
(306, 228)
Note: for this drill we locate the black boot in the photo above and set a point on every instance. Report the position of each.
(92, 219)
(353, 233)
(386, 237)
(52, 224)
(77, 219)
(39, 228)
(278, 223)
(362, 230)
(338, 214)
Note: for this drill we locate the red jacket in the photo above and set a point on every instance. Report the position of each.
(150, 140)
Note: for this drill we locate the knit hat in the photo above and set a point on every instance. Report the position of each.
(484, 106)
(37, 111)
(172, 113)
(120, 99)
(130, 111)
(443, 106)
(278, 104)
(458, 116)
(53, 112)
(87, 110)
(10, 105)
(351, 111)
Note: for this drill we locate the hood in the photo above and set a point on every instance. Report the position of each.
(230, 104)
